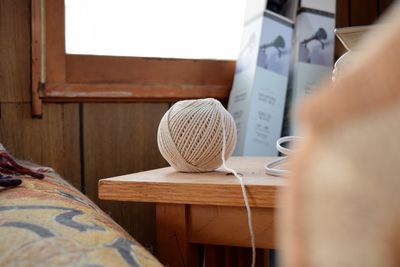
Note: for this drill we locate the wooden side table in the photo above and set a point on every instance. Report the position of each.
(202, 208)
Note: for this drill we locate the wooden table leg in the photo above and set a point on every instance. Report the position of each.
(173, 247)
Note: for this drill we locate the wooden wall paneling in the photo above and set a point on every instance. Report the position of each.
(15, 51)
(50, 141)
(383, 5)
(355, 13)
(71, 139)
(342, 20)
(37, 61)
(363, 12)
(120, 138)
(342, 13)
(55, 41)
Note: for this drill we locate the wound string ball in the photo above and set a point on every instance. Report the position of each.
(199, 136)
(191, 135)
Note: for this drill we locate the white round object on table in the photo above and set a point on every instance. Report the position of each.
(192, 135)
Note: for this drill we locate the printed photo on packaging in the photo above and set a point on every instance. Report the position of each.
(275, 45)
(316, 39)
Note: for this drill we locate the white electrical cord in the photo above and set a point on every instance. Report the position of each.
(270, 167)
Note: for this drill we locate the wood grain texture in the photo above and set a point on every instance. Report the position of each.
(222, 225)
(225, 256)
(43, 141)
(173, 247)
(91, 69)
(15, 51)
(342, 13)
(55, 41)
(213, 188)
(342, 20)
(71, 162)
(36, 59)
(383, 5)
(125, 92)
(356, 13)
(363, 12)
(119, 139)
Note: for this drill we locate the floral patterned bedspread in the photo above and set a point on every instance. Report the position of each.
(49, 223)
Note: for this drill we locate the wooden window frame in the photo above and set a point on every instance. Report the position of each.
(60, 77)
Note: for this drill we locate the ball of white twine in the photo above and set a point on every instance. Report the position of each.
(190, 135)
(199, 136)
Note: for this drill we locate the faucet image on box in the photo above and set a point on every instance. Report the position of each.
(318, 36)
(278, 43)
(314, 53)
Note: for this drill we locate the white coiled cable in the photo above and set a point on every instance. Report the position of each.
(271, 167)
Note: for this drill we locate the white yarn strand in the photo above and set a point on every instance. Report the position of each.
(244, 193)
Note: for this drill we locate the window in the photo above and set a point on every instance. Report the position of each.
(154, 28)
(77, 77)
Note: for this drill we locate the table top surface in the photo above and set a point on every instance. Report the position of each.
(166, 185)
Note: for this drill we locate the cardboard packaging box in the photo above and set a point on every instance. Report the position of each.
(349, 37)
(258, 94)
(313, 54)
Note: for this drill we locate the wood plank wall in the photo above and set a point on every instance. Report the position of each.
(85, 142)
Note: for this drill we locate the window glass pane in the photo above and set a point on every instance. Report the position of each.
(155, 28)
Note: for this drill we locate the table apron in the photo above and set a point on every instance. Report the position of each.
(223, 225)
